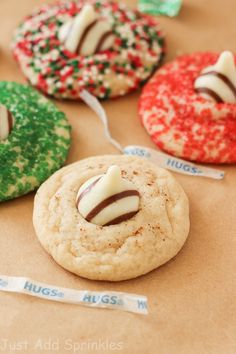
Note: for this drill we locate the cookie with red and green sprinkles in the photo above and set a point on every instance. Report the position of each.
(34, 139)
(189, 107)
(101, 46)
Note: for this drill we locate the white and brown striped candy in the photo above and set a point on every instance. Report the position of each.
(6, 122)
(87, 34)
(218, 82)
(108, 199)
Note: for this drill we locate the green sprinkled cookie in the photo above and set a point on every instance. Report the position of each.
(34, 139)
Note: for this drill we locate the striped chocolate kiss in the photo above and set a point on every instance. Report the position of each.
(87, 34)
(108, 199)
(6, 122)
(218, 82)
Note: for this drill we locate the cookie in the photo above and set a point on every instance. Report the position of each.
(189, 108)
(34, 139)
(81, 217)
(101, 46)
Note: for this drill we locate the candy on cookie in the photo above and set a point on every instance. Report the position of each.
(87, 34)
(7, 122)
(98, 45)
(189, 107)
(106, 245)
(108, 199)
(218, 82)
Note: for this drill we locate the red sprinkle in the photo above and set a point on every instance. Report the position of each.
(182, 122)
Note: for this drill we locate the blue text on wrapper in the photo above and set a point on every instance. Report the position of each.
(36, 289)
(111, 300)
(136, 151)
(183, 166)
(3, 283)
(105, 299)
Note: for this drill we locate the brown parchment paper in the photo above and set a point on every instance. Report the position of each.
(192, 298)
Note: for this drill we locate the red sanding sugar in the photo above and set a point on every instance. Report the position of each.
(182, 122)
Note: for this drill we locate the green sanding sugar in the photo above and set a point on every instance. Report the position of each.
(38, 144)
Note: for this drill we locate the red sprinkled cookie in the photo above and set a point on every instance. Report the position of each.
(189, 107)
(100, 46)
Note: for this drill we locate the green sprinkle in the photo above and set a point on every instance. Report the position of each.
(38, 144)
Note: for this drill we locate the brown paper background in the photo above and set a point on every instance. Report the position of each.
(192, 298)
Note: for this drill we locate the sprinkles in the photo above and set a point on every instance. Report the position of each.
(38, 143)
(182, 122)
(137, 50)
